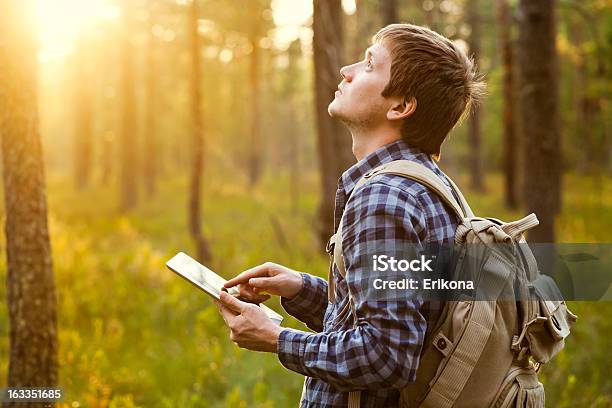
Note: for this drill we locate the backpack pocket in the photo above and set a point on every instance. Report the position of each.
(521, 389)
(546, 335)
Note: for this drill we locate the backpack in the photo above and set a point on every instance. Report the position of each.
(481, 353)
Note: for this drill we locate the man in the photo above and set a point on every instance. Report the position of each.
(399, 102)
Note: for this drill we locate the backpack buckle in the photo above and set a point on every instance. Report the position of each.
(517, 340)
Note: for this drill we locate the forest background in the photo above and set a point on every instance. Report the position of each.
(200, 126)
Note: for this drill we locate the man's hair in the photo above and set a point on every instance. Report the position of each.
(441, 77)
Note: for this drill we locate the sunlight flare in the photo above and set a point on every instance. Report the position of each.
(60, 22)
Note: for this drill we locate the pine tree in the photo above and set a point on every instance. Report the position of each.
(30, 283)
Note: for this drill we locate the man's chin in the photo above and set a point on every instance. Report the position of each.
(333, 110)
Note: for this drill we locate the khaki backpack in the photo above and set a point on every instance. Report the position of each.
(481, 353)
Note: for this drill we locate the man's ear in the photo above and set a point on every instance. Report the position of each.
(402, 108)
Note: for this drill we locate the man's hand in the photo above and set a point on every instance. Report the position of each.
(270, 278)
(249, 325)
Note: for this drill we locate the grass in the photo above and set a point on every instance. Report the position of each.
(132, 334)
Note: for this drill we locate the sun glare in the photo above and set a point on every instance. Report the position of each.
(61, 21)
(290, 17)
(291, 13)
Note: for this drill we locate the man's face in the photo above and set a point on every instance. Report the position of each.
(358, 101)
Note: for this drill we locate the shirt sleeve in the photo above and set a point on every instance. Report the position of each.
(383, 349)
(310, 303)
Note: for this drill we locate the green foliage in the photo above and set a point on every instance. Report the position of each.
(134, 335)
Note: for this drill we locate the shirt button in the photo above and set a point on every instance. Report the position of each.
(441, 344)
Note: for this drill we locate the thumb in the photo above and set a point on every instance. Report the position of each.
(231, 302)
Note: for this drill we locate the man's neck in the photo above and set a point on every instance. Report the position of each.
(365, 143)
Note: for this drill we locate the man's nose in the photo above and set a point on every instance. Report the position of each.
(345, 73)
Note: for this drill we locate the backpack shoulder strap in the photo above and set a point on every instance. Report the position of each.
(336, 240)
(411, 170)
(425, 176)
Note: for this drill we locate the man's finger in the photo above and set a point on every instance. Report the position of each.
(249, 295)
(227, 313)
(245, 290)
(224, 311)
(231, 302)
(246, 294)
(261, 270)
(262, 283)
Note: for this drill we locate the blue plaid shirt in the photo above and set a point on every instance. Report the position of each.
(381, 354)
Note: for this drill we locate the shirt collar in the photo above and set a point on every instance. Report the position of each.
(397, 150)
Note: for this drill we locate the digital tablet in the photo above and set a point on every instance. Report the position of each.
(208, 281)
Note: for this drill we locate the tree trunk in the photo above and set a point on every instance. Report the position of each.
(537, 60)
(108, 143)
(475, 149)
(109, 149)
(334, 142)
(591, 158)
(388, 11)
(294, 53)
(509, 153)
(151, 158)
(255, 147)
(364, 22)
(30, 286)
(202, 247)
(129, 192)
(83, 117)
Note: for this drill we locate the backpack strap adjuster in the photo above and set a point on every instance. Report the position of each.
(442, 344)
